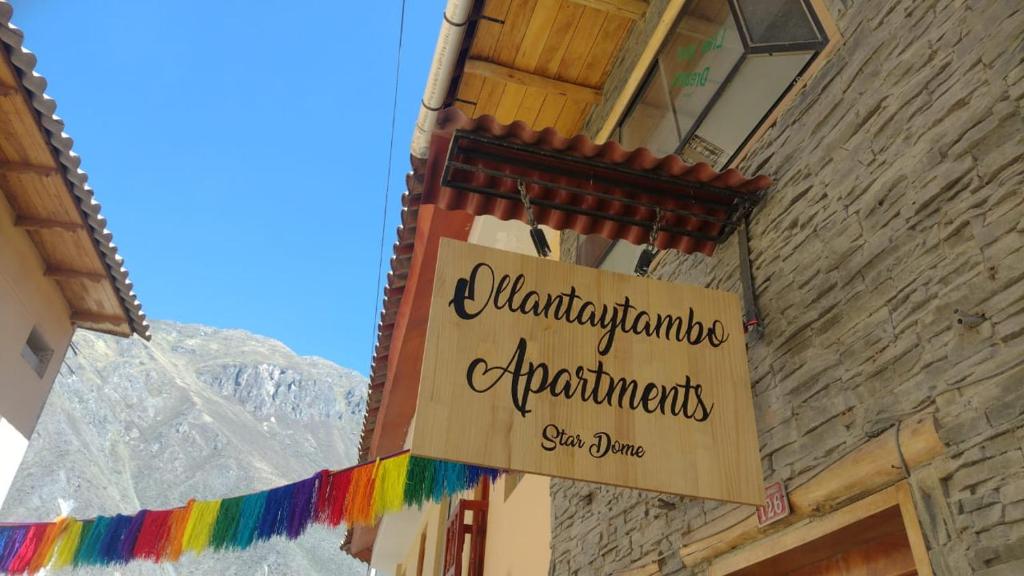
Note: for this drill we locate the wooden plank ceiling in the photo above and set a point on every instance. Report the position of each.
(543, 62)
(32, 182)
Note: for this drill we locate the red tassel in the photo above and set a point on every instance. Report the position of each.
(150, 542)
(337, 494)
(22, 559)
(322, 506)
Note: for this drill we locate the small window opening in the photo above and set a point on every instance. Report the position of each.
(37, 353)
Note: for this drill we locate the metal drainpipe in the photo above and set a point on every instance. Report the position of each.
(446, 53)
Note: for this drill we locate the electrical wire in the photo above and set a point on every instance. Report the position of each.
(387, 184)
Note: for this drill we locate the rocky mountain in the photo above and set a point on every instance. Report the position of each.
(196, 413)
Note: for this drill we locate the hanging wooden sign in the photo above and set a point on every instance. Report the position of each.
(539, 366)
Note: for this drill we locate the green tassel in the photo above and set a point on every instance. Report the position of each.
(419, 481)
(89, 546)
(227, 523)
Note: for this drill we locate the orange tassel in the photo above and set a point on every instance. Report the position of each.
(359, 508)
(176, 532)
(44, 552)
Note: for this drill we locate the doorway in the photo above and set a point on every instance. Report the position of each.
(876, 536)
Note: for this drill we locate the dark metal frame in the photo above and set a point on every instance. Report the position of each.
(469, 146)
(801, 46)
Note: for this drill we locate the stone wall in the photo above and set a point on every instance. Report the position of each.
(899, 200)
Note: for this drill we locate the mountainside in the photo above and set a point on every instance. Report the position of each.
(196, 413)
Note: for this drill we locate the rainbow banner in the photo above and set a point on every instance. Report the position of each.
(355, 496)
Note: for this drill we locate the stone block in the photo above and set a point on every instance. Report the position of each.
(969, 476)
(1014, 512)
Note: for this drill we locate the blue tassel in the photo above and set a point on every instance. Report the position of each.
(274, 520)
(125, 548)
(249, 519)
(110, 542)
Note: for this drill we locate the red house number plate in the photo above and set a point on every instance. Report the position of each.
(776, 505)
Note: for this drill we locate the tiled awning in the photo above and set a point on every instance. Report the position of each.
(574, 184)
(701, 205)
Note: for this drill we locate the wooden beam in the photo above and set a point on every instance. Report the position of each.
(19, 168)
(7, 91)
(44, 224)
(60, 274)
(632, 9)
(95, 318)
(666, 23)
(892, 498)
(531, 80)
(650, 569)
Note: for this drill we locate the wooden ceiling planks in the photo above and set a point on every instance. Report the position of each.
(543, 62)
(33, 185)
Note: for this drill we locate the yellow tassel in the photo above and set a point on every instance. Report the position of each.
(389, 490)
(68, 544)
(200, 526)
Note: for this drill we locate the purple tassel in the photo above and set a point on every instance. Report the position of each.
(126, 548)
(12, 543)
(300, 510)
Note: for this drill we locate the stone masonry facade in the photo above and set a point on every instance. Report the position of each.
(898, 204)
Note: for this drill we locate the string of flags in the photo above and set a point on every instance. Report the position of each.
(359, 495)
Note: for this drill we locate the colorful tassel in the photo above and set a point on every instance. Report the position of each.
(200, 526)
(223, 535)
(47, 546)
(110, 544)
(389, 488)
(152, 539)
(249, 519)
(87, 543)
(67, 544)
(274, 521)
(124, 551)
(176, 532)
(337, 493)
(23, 555)
(356, 496)
(359, 504)
(15, 537)
(322, 507)
(301, 507)
(419, 483)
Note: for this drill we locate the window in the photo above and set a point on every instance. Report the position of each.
(465, 540)
(37, 353)
(719, 75)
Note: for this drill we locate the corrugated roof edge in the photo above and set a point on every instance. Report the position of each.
(25, 62)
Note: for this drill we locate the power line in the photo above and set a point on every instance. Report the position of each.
(387, 182)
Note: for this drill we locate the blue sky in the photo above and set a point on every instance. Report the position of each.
(239, 150)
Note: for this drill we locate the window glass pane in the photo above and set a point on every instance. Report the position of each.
(650, 123)
(757, 85)
(777, 21)
(698, 58)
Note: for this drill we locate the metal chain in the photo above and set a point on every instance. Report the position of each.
(646, 258)
(526, 202)
(656, 228)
